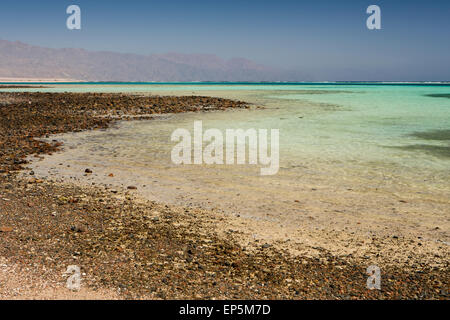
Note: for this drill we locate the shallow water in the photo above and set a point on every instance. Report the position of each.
(334, 122)
(344, 148)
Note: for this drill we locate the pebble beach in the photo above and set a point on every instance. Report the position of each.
(129, 247)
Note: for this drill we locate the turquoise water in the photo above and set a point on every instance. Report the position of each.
(347, 153)
(404, 123)
(372, 118)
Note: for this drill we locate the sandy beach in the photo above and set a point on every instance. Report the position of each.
(132, 243)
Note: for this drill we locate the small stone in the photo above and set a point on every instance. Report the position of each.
(88, 171)
(77, 229)
(6, 229)
(132, 188)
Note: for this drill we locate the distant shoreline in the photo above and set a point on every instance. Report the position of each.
(31, 81)
(34, 80)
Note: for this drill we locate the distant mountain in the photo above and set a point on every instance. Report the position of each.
(20, 60)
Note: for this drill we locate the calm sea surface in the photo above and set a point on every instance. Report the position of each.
(376, 139)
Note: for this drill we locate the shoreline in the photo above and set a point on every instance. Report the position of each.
(364, 237)
(27, 80)
(199, 247)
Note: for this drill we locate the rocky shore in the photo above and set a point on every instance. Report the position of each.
(142, 249)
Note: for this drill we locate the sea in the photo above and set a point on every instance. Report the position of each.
(344, 147)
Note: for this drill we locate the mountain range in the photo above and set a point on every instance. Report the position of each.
(21, 60)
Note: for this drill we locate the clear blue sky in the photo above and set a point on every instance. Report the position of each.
(326, 39)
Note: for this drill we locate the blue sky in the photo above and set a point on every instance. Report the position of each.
(326, 39)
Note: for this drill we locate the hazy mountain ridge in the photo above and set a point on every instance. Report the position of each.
(20, 60)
